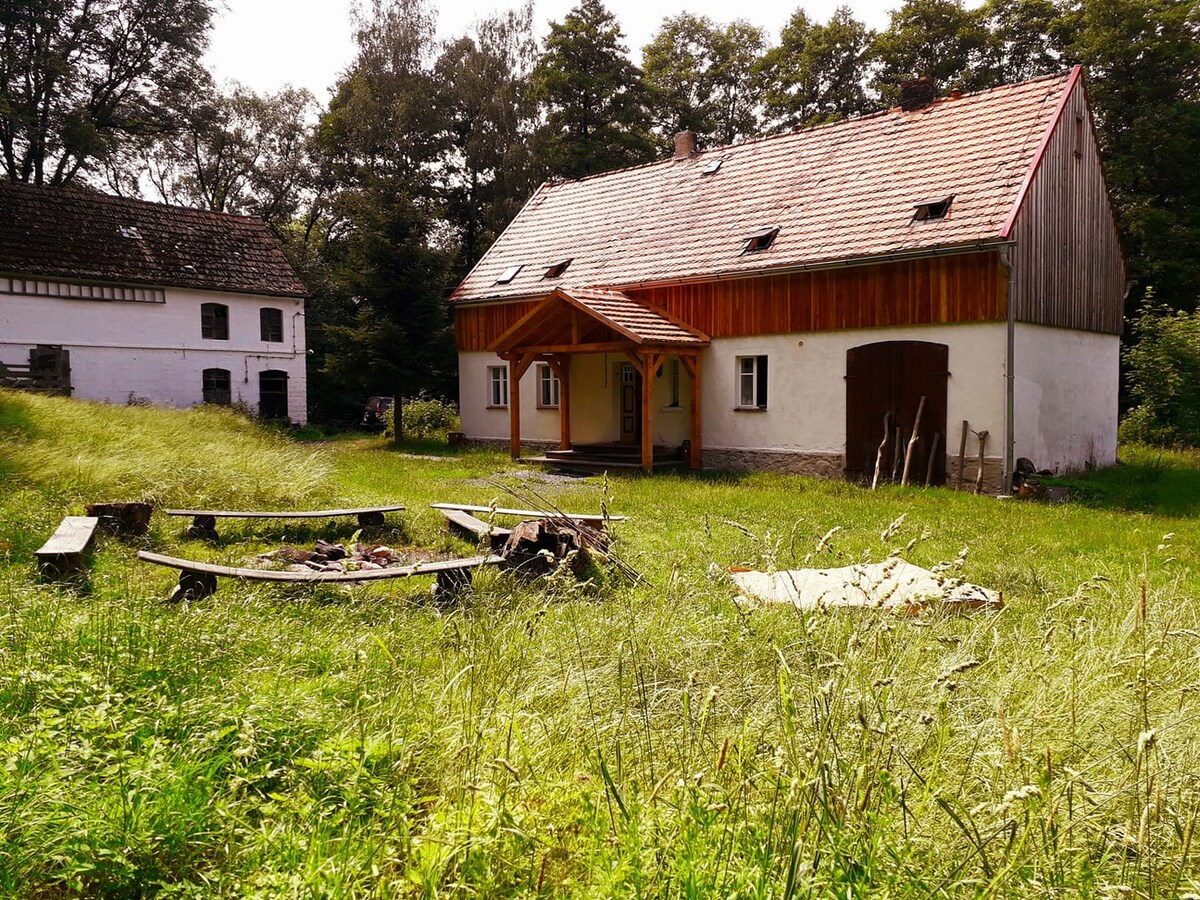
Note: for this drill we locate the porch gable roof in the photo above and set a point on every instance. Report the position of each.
(568, 319)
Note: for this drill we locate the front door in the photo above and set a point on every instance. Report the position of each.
(631, 404)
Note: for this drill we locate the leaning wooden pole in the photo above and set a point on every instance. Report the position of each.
(937, 440)
(887, 433)
(962, 456)
(912, 442)
(983, 436)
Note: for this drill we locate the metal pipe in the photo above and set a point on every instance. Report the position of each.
(1009, 376)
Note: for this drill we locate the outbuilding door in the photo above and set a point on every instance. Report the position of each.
(891, 377)
(273, 394)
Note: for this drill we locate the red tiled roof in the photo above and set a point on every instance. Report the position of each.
(628, 316)
(78, 234)
(836, 192)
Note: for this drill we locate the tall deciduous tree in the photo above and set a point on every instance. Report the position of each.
(594, 103)
(487, 114)
(1026, 38)
(699, 78)
(817, 73)
(941, 39)
(80, 78)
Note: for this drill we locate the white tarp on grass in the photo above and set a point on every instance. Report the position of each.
(894, 584)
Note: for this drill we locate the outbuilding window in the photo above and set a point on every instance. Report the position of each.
(217, 386)
(548, 387)
(752, 382)
(273, 394)
(270, 323)
(214, 321)
(497, 385)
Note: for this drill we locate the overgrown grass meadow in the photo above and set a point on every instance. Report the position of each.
(604, 739)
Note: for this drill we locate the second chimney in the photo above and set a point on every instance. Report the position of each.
(917, 94)
(685, 145)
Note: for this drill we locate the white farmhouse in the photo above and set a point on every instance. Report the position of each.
(152, 303)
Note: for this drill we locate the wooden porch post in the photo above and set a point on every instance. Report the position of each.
(517, 366)
(562, 369)
(649, 364)
(695, 455)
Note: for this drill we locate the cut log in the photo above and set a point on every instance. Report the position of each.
(122, 518)
(66, 550)
(937, 440)
(962, 456)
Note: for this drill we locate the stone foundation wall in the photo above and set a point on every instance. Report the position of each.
(504, 444)
(790, 462)
(993, 474)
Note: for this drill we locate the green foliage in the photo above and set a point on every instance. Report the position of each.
(698, 78)
(593, 96)
(628, 740)
(941, 39)
(1163, 378)
(80, 79)
(817, 73)
(423, 417)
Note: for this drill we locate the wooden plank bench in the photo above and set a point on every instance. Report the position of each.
(589, 518)
(65, 551)
(466, 523)
(199, 579)
(204, 521)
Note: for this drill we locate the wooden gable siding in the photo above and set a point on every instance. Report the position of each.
(1067, 265)
(959, 288)
(967, 287)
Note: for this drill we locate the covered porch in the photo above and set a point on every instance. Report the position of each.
(574, 322)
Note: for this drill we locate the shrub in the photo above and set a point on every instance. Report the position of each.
(1163, 377)
(424, 417)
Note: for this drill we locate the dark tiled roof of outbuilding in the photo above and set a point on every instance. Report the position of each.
(836, 192)
(83, 235)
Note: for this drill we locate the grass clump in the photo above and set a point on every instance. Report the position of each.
(616, 740)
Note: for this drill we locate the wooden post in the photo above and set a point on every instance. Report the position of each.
(562, 369)
(912, 441)
(937, 440)
(983, 436)
(896, 458)
(649, 363)
(696, 456)
(962, 456)
(514, 407)
(887, 433)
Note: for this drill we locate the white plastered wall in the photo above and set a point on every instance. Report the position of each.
(595, 402)
(1065, 397)
(806, 402)
(153, 351)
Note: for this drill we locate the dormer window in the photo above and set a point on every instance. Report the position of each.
(760, 240)
(508, 274)
(557, 269)
(932, 209)
(712, 166)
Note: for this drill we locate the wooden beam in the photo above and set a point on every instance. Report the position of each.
(562, 369)
(604, 347)
(516, 368)
(695, 453)
(649, 364)
(636, 360)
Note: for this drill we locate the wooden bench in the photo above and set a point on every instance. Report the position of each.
(65, 551)
(204, 521)
(466, 523)
(199, 579)
(527, 513)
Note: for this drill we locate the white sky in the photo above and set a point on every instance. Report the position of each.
(266, 44)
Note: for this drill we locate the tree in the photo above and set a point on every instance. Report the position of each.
(817, 73)
(487, 114)
(1027, 38)
(1163, 377)
(698, 78)
(592, 95)
(236, 152)
(940, 39)
(79, 79)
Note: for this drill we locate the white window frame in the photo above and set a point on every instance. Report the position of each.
(548, 387)
(747, 376)
(497, 387)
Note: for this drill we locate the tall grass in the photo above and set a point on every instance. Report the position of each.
(590, 740)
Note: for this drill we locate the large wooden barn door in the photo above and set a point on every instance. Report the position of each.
(891, 377)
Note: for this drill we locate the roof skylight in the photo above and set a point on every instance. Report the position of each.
(760, 240)
(712, 166)
(508, 274)
(932, 209)
(557, 269)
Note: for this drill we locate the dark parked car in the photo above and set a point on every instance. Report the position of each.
(374, 415)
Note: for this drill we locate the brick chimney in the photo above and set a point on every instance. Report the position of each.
(917, 93)
(685, 145)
